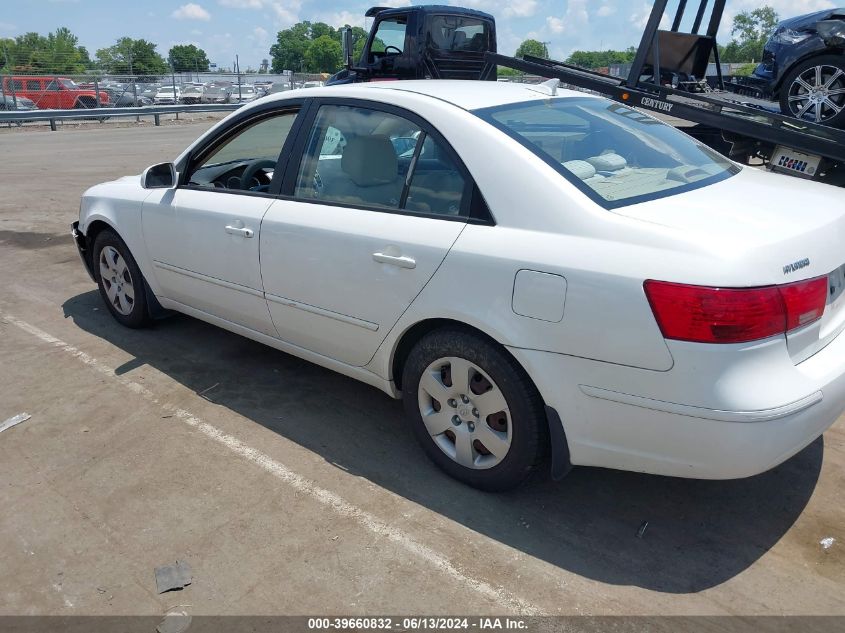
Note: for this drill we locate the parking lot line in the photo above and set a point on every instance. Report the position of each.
(336, 503)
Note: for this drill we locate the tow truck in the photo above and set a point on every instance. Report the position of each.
(667, 77)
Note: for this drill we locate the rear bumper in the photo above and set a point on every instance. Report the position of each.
(82, 248)
(747, 419)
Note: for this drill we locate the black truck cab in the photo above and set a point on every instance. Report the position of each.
(421, 42)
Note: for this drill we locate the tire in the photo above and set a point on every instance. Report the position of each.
(815, 90)
(84, 104)
(121, 284)
(454, 434)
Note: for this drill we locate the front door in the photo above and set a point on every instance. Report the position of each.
(203, 236)
(375, 207)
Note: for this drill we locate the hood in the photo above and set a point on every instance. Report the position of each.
(766, 221)
(809, 20)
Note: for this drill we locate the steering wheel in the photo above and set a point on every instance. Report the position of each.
(387, 49)
(252, 170)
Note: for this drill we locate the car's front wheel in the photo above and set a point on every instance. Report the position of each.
(120, 281)
(473, 409)
(815, 91)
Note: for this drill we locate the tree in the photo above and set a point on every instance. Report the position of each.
(532, 47)
(188, 58)
(141, 55)
(297, 49)
(323, 55)
(750, 31)
(601, 59)
(58, 52)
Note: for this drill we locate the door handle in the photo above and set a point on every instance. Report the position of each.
(395, 260)
(243, 232)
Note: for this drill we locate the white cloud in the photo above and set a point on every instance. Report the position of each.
(287, 14)
(260, 34)
(191, 11)
(605, 10)
(342, 18)
(520, 9)
(574, 19)
(5, 26)
(241, 4)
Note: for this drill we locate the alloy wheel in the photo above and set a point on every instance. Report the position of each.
(465, 413)
(117, 281)
(818, 93)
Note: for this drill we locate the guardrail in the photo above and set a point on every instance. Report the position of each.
(24, 116)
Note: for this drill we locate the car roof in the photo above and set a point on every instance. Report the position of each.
(465, 94)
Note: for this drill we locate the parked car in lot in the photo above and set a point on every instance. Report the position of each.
(217, 92)
(192, 94)
(167, 95)
(125, 98)
(51, 93)
(242, 94)
(9, 102)
(803, 67)
(545, 271)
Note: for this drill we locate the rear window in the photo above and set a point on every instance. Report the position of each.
(456, 33)
(616, 155)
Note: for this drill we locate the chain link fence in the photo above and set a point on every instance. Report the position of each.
(31, 91)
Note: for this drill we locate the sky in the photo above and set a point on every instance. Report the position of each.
(224, 28)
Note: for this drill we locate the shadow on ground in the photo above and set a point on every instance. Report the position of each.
(699, 534)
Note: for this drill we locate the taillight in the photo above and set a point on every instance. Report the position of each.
(703, 314)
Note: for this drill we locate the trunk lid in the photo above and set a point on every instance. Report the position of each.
(770, 230)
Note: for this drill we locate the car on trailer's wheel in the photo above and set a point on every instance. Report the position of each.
(803, 66)
(539, 274)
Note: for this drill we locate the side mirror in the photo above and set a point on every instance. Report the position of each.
(346, 46)
(161, 176)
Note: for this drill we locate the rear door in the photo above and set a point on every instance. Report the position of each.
(203, 236)
(361, 229)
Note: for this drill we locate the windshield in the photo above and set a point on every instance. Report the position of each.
(616, 155)
(67, 83)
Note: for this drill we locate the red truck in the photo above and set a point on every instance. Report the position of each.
(52, 93)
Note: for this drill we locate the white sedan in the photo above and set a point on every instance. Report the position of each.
(540, 275)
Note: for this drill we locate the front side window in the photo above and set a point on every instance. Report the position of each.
(245, 162)
(456, 33)
(616, 155)
(68, 84)
(368, 158)
(33, 85)
(390, 36)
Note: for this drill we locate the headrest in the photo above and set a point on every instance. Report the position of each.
(370, 160)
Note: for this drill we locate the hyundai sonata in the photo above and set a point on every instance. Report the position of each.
(540, 275)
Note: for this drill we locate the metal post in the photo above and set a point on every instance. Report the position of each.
(53, 124)
(702, 7)
(716, 18)
(97, 91)
(238, 70)
(649, 37)
(173, 79)
(676, 25)
(157, 120)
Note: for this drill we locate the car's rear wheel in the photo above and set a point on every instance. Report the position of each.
(120, 281)
(815, 91)
(474, 410)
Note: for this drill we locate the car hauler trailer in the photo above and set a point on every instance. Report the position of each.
(668, 76)
(664, 78)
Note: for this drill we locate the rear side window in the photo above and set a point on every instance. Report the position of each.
(368, 158)
(455, 33)
(33, 84)
(615, 154)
